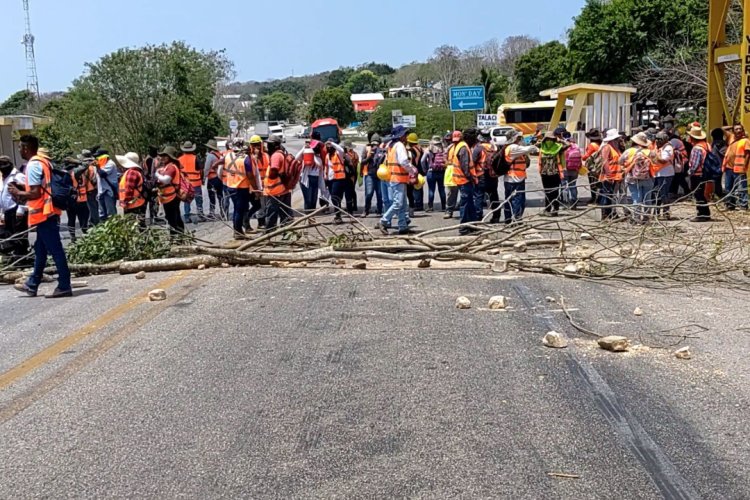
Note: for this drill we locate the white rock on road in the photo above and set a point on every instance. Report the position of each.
(463, 303)
(498, 302)
(141, 275)
(555, 340)
(157, 295)
(683, 353)
(614, 343)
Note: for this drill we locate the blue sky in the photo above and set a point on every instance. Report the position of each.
(273, 40)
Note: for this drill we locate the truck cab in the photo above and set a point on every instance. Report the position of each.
(328, 128)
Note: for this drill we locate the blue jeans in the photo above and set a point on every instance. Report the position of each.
(338, 191)
(398, 206)
(466, 205)
(736, 187)
(93, 208)
(310, 192)
(241, 201)
(215, 194)
(198, 202)
(435, 181)
(47, 243)
(641, 192)
(570, 187)
(372, 188)
(515, 200)
(661, 194)
(107, 206)
(385, 191)
(479, 199)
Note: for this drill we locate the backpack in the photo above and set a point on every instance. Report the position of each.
(712, 166)
(291, 171)
(185, 190)
(680, 157)
(641, 167)
(61, 189)
(549, 165)
(573, 158)
(500, 165)
(595, 163)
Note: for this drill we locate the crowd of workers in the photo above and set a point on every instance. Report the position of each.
(464, 169)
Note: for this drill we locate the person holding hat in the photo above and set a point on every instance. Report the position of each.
(92, 189)
(78, 210)
(736, 163)
(351, 167)
(44, 217)
(168, 177)
(133, 187)
(214, 159)
(399, 164)
(415, 196)
(373, 156)
(517, 158)
(698, 154)
(106, 181)
(433, 162)
(13, 214)
(189, 164)
(610, 177)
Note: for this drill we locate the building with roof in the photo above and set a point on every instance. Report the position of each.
(366, 102)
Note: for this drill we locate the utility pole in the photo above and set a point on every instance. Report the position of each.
(32, 82)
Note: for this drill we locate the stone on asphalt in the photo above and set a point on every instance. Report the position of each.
(463, 303)
(498, 302)
(424, 264)
(202, 267)
(683, 353)
(225, 265)
(141, 275)
(638, 311)
(555, 340)
(157, 295)
(614, 343)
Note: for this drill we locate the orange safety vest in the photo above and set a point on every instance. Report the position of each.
(138, 199)
(274, 187)
(481, 166)
(213, 169)
(189, 167)
(234, 169)
(611, 170)
(80, 189)
(90, 176)
(337, 166)
(517, 167)
(742, 149)
(42, 208)
(169, 192)
(398, 173)
(458, 175)
(262, 165)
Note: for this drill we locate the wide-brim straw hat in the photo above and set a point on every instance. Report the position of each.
(697, 133)
(212, 144)
(129, 160)
(612, 134)
(641, 139)
(187, 147)
(169, 151)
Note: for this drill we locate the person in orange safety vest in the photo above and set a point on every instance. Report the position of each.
(192, 169)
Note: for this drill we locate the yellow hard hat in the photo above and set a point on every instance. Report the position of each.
(421, 179)
(412, 138)
(256, 140)
(384, 173)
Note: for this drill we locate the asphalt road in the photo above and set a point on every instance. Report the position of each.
(334, 383)
(327, 382)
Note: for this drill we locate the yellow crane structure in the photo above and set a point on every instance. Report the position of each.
(721, 111)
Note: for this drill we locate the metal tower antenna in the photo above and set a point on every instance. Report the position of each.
(32, 82)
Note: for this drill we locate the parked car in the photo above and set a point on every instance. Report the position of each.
(498, 135)
(304, 133)
(277, 129)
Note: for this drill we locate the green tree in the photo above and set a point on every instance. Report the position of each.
(610, 38)
(430, 120)
(495, 86)
(17, 103)
(293, 87)
(543, 67)
(332, 103)
(274, 106)
(339, 77)
(378, 68)
(363, 82)
(134, 98)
